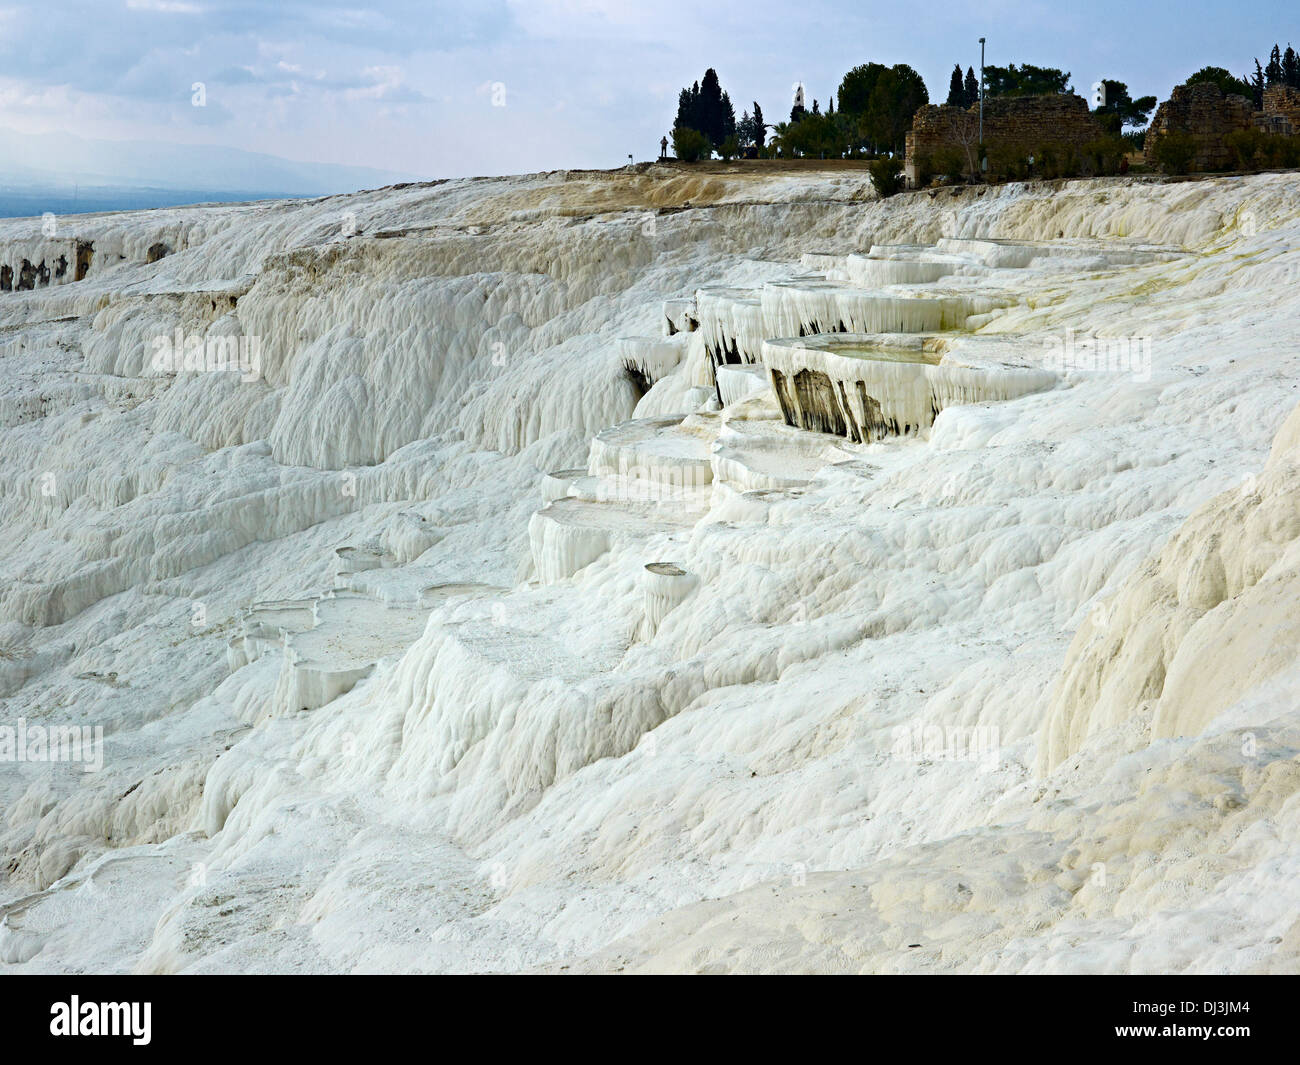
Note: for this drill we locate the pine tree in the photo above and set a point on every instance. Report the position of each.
(972, 88)
(830, 105)
(956, 90)
(760, 131)
(1290, 68)
(1257, 86)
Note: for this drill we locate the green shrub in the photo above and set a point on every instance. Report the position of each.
(1010, 161)
(1275, 150)
(1173, 152)
(924, 171)
(1052, 161)
(885, 175)
(1047, 162)
(1246, 146)
(1287, 151)
(1103, 155)
(951, 163)
(690, 145)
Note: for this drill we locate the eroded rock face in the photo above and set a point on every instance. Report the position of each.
(66, 253)
(85, 255)
(37, 262)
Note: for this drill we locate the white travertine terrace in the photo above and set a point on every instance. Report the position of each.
(874, 271)
(325, 645)
(803, 307)
(869, 386)
(559, 483)
(912, 689)
(669, 451)
(737, 382)
(680, 315)
(1017, 254)
(731, 322)
(666, 588)
(650, 359)
(349, 635)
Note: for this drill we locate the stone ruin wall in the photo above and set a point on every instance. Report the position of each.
(1202, 111)
(1283, 101)
(1028, 122)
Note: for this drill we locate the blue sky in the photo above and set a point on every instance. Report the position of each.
(457, 87)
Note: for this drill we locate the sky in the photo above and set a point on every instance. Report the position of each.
(453, 88)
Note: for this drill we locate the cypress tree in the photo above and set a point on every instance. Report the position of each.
(688, 109)
(956, 89)
(1273, 72)
(711, 112)
(726, 119)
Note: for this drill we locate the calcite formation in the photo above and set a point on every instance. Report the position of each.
(867, 387)
(516, 616)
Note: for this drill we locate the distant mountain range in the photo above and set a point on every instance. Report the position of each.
(67, 174)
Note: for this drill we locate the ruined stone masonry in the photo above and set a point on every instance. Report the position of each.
(1283, 101)
(1028, 122)
(1209, 117)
